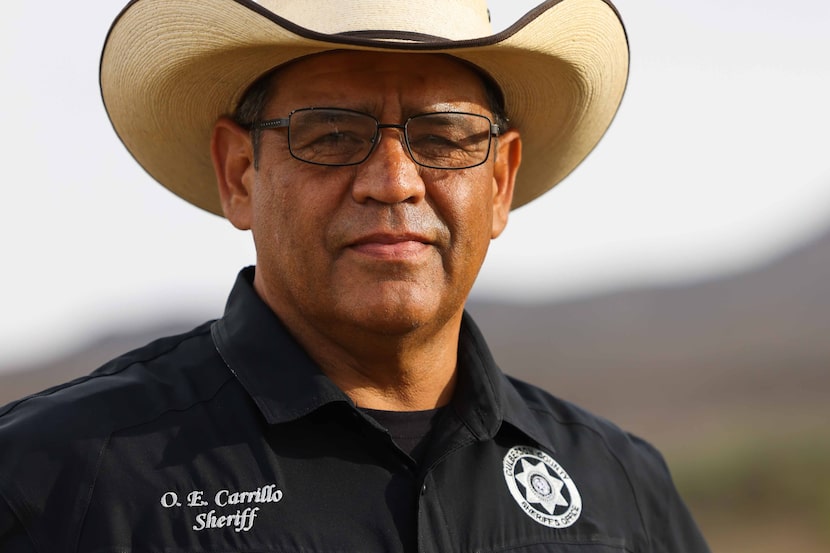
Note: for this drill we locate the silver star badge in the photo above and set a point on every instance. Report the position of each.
(541, 487)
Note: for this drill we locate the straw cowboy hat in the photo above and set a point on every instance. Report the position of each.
(170, 68)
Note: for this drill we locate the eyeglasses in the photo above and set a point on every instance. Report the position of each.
(339, 137)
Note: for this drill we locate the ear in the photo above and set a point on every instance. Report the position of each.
(233, 162)
(508, 158)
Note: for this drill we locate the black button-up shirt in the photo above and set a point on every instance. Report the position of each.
(230, 439)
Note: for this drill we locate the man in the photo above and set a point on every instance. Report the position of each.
(344, 402)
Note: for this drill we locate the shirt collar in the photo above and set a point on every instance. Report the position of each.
(484, 397)
(286, 384)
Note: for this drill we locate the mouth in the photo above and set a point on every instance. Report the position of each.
(391, 246)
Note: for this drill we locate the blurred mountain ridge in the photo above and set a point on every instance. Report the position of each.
(747, 350)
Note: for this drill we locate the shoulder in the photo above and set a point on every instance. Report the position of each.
(123, 388)
(52, 443)
(576, 430)
(568, 419)
(68, 425)
(619, 464)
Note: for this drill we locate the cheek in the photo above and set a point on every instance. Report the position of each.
(292, 212)
(276, 218)
(472, 202)
(465, 203)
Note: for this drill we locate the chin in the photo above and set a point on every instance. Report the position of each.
(399, 316)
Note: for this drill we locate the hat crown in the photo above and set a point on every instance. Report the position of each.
(449, 19)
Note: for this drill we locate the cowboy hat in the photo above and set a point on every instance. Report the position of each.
(170, 68)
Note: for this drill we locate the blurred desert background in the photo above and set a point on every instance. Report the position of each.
(729, 377)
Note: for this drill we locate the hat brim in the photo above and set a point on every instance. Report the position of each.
(171, 68)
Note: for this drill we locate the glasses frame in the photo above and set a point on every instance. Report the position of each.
(285, 122)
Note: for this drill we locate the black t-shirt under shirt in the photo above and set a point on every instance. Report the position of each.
(409, 430)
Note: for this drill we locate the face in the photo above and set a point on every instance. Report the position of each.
(386, 246)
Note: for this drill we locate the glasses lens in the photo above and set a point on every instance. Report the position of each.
(449, 140)
(331, 136)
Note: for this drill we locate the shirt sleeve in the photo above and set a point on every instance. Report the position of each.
(13, 538)
(669, 523)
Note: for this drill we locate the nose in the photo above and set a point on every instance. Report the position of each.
(389, 175)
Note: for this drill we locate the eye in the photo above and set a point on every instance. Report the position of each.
(451, 133)
(337, 138)
(431, 141)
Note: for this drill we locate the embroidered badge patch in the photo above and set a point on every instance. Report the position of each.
(541, 487)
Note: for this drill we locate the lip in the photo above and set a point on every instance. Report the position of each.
(392, 247)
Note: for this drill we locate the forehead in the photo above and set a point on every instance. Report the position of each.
(354, 78)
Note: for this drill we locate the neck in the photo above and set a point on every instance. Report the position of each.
(391, 373)
(413, 370)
